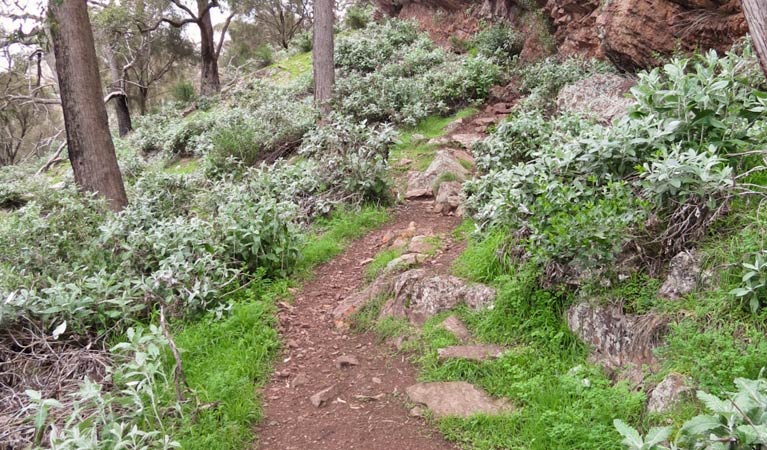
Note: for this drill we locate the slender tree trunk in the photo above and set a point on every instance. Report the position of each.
(209, 81)
(756, 16)
(143, 98)
(322, 61)
(122, 112)
(90, 147)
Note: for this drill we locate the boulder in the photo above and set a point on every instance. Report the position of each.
(418, 296)
(420, 184)
(457, 399)
(668, 392)
(601, 96)
(477, 352)
(684, 276)
(620, 342)
(448, 197)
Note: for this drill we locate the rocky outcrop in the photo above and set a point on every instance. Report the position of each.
(684, 276)
(628, 32)
(419, 295)
(632, 32)
(622, 343)
(446, 163)
(601, 96)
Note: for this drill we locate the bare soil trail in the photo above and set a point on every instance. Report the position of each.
(338, 389)
(366, 407)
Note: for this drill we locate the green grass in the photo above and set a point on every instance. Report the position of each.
(184, 166)
(423, 153)
(561, 401)
(292, 67)
(380, 261)
(333, 234)
(226, 361)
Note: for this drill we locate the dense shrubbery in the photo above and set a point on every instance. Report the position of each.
(261, 122)
(579, 190)
(391, 72)
(500, 41)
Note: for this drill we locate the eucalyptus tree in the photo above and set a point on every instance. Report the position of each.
(756, 16)
(90, 147)
(322, 57)
(210, 47)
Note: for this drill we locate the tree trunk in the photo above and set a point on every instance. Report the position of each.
(756, 16)
(143, 97)
(322, 61)
(122, 112)
(90, 147)
(209, 82)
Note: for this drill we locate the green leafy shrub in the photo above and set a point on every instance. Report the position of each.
(354, 156)
(579, 190)
(303, 41)
(358, 17)
(738, 422)
(391, 72)
(265, 55)
(754, 282)
(184, 92)
(500, 41)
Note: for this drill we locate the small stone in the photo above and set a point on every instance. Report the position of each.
(346, 361)
(456, 327)
(377, 380)
(417, 411)
(467, 140)
(292, 343)
(300, 380)
(668, 392)
(323, 396)
(418, 139)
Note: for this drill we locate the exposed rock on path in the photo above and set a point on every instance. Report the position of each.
(457, 398)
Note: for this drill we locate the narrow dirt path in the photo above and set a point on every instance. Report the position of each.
(367, 409)
(365, 404)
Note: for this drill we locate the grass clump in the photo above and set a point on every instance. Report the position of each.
(380, 261)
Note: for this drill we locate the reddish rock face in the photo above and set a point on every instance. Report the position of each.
(631, 32)
(628, 32)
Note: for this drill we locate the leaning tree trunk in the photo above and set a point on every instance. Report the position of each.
(209, 81)
(122, 112)
(756, 16)
(322, 61)
(90, 147)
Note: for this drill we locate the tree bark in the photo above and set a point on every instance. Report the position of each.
(122, 112)
(209, 81)
(756, 16)
(322, 61)
(91, 151)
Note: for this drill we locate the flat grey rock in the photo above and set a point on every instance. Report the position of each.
(457, 399)
(478, 352)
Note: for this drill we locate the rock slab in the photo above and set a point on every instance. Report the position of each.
(457, 399)
(477, 352)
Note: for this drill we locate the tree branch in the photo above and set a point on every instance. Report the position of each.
(223, 34)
